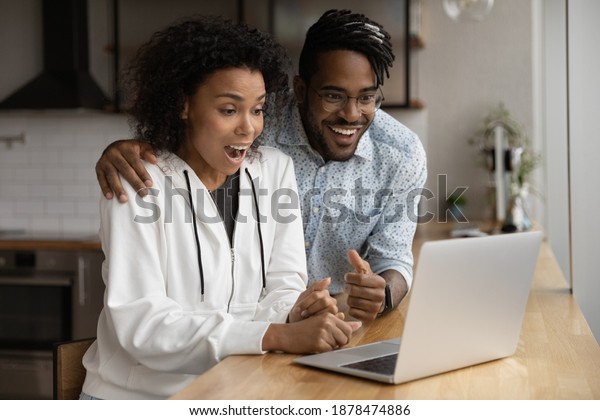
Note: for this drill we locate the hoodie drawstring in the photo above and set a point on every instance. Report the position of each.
(198, 249)
(260, 238)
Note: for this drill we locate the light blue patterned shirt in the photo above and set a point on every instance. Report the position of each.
(368, 203)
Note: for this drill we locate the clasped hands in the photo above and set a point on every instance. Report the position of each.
(316, 311)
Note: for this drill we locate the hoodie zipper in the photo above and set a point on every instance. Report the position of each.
(231, 242)
(231, 249)
(232, 275)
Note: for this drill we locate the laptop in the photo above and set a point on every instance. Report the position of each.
(466, 307)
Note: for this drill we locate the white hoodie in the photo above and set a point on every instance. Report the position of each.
(155, 334)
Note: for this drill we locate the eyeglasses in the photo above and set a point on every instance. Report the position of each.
(333, 101)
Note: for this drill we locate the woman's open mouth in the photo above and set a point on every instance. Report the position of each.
(236, 153)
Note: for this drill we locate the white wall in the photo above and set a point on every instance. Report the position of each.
(465, 69)
(553, 73)
(584, 153)
(570, 111)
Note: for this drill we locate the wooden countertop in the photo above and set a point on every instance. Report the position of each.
(557, 358)
(73, 242)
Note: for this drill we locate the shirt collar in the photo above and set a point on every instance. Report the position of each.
(364, 149)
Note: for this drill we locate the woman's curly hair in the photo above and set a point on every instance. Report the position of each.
(170, 67)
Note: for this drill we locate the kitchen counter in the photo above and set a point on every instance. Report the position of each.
(24, 240)
(557, 357)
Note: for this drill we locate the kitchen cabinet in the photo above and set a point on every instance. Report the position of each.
(116, 29)
(20, 43)
(287, 20)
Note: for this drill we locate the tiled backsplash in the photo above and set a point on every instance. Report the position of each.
(49, 183)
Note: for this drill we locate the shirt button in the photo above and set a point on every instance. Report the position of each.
(322, 169)
(315, 210)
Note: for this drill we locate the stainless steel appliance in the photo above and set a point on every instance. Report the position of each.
(46, 296)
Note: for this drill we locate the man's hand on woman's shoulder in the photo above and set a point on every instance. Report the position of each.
(124, 157)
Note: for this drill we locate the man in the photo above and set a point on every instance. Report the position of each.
(359, 171)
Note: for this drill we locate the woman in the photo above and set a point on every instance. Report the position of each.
(191, 275)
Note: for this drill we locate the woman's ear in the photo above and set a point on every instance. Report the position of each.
(299, 89)
(184, 113)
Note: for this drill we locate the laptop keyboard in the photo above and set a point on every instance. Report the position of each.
(384, 365)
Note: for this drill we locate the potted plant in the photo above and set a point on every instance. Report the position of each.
(522, 161)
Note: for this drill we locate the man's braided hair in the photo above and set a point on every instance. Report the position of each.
(344, 30)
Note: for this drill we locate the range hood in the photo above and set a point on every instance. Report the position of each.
(65, 81)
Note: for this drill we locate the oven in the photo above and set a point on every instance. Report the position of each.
(46, 296)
